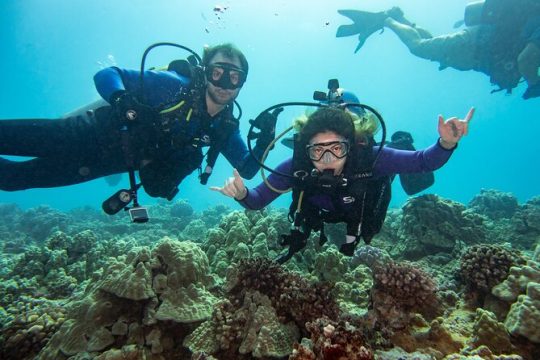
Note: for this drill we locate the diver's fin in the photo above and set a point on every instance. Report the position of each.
(415, 182)
(288, 142)
(365, 24)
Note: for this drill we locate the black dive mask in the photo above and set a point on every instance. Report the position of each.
(225, 75)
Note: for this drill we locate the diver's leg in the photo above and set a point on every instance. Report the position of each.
(45, 137)
(457, 50)
(397, 14)
(406, 33)
(46, 173)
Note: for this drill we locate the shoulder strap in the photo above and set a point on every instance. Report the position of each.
(227, 123)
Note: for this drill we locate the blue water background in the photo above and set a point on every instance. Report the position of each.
(51, 50)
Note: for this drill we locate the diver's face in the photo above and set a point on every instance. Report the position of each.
(328, 150)
(220, 64)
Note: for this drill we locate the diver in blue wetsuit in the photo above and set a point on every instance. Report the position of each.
(159, 127)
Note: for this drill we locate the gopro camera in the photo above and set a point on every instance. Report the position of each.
(138, 214)
(333, 96)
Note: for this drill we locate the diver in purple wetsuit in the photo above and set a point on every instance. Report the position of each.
(338, 174)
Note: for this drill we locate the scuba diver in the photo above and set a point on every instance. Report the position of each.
(338, 174)
(156, 122)
(412, 183)
(501, 39)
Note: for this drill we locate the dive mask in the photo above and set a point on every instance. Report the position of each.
(328, 152)
(225, 75)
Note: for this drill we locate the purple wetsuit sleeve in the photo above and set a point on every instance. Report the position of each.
(260, 196)
(393, 161)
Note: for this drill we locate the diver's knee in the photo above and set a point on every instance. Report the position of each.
(167, 191)
(8, 185)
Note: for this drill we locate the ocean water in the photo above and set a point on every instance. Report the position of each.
(50, 53)
(52, 49)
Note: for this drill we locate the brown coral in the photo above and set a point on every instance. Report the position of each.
(253, 330)
(411, 288)
(399, 291)
(484, 266)
(292, 296)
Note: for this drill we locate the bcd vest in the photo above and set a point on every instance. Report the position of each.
(359, 199)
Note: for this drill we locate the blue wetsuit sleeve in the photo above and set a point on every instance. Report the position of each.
(237, 153)
(394, 161)
(160, 87)
(108, 81)
(262, 195)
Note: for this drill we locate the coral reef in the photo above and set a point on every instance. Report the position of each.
(148, 297)
(293, 297)
(527, 218)
(125, 291)
(243, 235)
(352, 292)
(331, 340)
(267, 309)
(370, 256)
(488, 331)
(32, 324)
(57, 267)
(330, 265)
(399, 289)
(516, 282)
(252, 329)
(494, 204)
(181, 209)
(484, 266)
(524, 315)
(437, 224)
(42, 221)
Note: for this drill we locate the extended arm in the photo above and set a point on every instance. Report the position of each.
(260, 196)
(393, 161)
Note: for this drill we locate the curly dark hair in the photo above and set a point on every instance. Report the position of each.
(228, 50)
(328, 119)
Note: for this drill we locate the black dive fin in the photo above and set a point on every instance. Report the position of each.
(288, 142)
(365, 24)
(414, 183)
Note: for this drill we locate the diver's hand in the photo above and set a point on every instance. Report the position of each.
(234, 187)
(266, 123)
(127, 107)
(453, 129)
